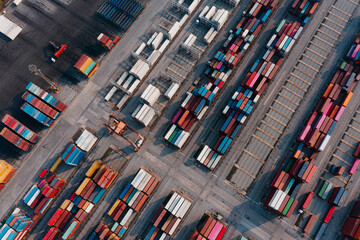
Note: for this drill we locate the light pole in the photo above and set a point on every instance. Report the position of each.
(36, 71)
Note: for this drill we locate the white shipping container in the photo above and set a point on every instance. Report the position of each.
(153, 57)
(140, 48)
(208, 34)
(256, 98)
(274, 198)
(145, 181)
(122, 101)
(170, 92)
(202, 113)
(189, 95)
(291, 44)
(134, 85)
(122, 78)
(217, 15)
(110, 93)
(278, 204)
(176, 224)
(212, 36)
(93, 141)
(174, 29)
(89, 208)
(205, 155)
(183, 140)
(155, 44)
(283, 42)
(152, 38)
(7, 234)
(223, 18)
(243, 119)
(137, 179)
(204, 11)
(175, 202)
(171, 200)
(171, 130)
(126, 217)
(324, 143)
(134, 198)
(184, 208)
(71, 205)
(267, 74)
(164, 46)
(32, 199)
(253, 8)
(179, 139)
(210, 13)
(178, 205)
(298, 32)
(183, 19)
(226, 109)
(215, 163)
(29, 192)
(193, 6)
(203, 151)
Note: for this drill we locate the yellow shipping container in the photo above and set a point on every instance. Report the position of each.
(86, 205)
(95, 166)
(113, 207)
(85, 65)
(82, 186)
(65, 204)
(56, 165)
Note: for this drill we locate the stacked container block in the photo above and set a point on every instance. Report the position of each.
(46, 97)
(168, 217)
(131, 200)
(316, 134)
(304, 8)
(16, 226)
(6, 172)
(106, 42)
(121, 13)
(257, 79)
(73, 211)
(20, 129)
(103, 232)
(86, 66)
(40, 195)
(15, 139)
(351, 227)
(209, 228)
(76, 152)
(221, 66)
(354, 51)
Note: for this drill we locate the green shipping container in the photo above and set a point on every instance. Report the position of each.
(289, 164)
(131, 195)
(72, 226)
(173, 134)
(288, 205)
(343, 65)
(323, 188)
(89, 68)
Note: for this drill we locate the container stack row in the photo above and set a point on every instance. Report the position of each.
(356, 162)
(103, 232)
(75, 152)
(6, 172)
(86, 66)
(40, 195)
(281, 202)
(351, 227)
(168, 217)
(304, 8)
(208, 157)
(210, 228)
(20, 129)
(41, 106)
(73, 211)
(46, 97)
(257, 79)
(106, 42)
(317, 132)
(354, 51)
(121, 13)
(334, 195)
(15, 139)
(221, 65)
(214, 17)
(16, 226)
(131, 200)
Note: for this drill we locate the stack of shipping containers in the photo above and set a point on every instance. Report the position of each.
(86, 66)
(6, 172)
(73, 211)
(210, 228)
(131, 200)
(256, 80)
(221, 66)
(168, 217)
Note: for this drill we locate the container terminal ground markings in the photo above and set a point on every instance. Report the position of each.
(66, 175)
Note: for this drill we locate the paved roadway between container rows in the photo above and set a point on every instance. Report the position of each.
(209, 191)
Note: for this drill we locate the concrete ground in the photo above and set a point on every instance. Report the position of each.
(245, 215)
